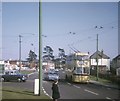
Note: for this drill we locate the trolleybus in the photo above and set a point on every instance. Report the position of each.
(77, 67)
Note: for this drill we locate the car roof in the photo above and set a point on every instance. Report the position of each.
(11, 70)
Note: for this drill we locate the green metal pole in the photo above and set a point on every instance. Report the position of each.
(40, 51)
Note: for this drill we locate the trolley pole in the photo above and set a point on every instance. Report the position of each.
(97, 60)
(40, 51)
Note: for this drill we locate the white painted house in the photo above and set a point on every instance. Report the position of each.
(103, 62)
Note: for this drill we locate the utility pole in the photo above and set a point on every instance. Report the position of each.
(20, 51)
(97, 69)
(40, 50)
(97, 59)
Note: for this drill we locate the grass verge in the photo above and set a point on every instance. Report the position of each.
(104, 81)
(13, 93)
(27, 71)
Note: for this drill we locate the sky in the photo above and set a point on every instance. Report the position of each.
(67, 25)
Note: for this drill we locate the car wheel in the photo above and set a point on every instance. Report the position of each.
(2, 79)
(19, 80)
(24, 80)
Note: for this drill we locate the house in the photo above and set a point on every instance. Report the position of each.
(116, 64)
(11, 64)
(103, 63)
(2, 63)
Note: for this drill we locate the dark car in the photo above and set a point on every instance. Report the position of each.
(13, 75)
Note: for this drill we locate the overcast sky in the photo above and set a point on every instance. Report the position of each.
(67, 25)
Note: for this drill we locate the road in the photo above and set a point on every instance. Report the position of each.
(82, 91)
(70, 90)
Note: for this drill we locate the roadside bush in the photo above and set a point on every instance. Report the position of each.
(115, 79)
(112, 78)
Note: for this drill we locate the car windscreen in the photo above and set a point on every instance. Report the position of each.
(12, 73)
(53, 73)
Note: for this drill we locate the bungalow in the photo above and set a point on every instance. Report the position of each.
(103, 63)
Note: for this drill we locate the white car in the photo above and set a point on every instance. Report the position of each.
(51, 76)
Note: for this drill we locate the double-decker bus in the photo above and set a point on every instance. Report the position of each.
(77, 67)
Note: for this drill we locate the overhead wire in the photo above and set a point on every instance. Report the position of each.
(104, 28)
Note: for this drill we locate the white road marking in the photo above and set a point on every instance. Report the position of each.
(31, 73)
(108, 88)
(91, 92)
(113, 100)
(76, 86)
(46, 93)
(69, 83)
(108, 98)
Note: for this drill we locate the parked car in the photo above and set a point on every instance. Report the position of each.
(51, 76)
(14, 75)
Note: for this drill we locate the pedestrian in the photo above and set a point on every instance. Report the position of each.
(55, 90)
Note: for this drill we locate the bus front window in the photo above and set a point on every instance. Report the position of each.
(79, 70)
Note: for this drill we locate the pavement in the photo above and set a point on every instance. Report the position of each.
(110, 85)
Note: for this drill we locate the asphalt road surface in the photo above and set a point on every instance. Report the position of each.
(69, 90)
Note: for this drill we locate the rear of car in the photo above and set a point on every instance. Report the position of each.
(51, 76)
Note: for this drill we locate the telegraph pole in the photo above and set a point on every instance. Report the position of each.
(40, 51)
(20, 51)
(97, 59)
(97, 69)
